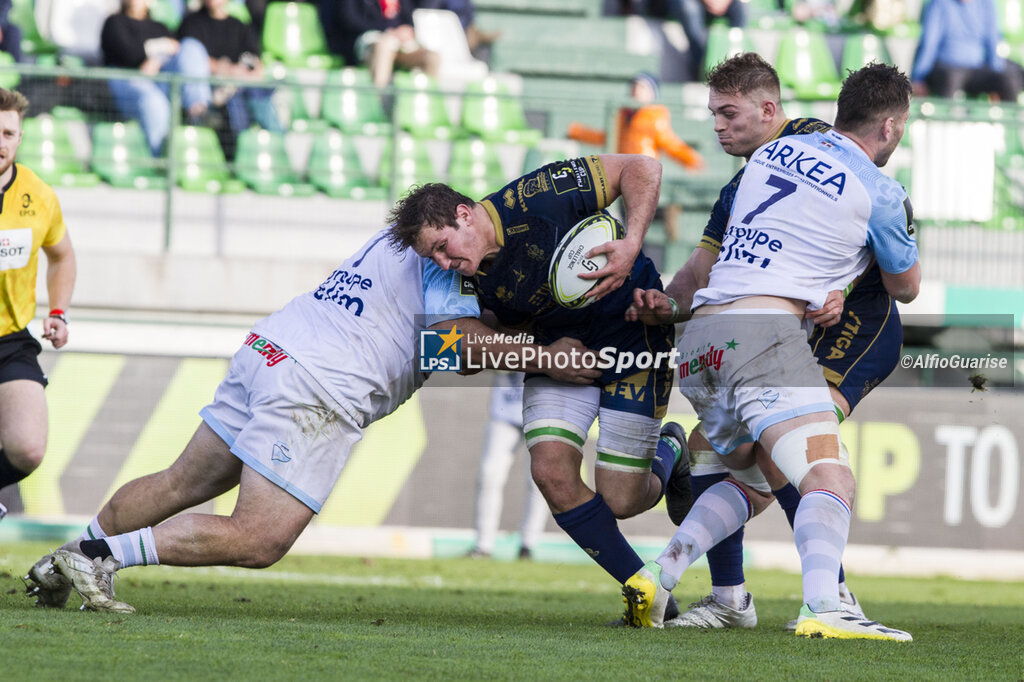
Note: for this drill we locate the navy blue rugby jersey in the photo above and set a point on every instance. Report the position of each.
(531, 215)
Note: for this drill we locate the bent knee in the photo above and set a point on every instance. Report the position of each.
(264, 552)
(26, 457)
(624, 508)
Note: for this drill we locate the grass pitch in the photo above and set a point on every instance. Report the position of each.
(313, 618)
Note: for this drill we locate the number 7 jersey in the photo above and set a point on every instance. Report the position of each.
(809, 213)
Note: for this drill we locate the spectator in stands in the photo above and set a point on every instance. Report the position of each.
(958, 52)
(377, 33)
(233, 50)
(10, 34)
(645, 129)
(131, 40)
(695, 15)
(879, 15)
(820, 11)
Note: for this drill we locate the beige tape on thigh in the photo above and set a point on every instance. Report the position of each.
(793, 451)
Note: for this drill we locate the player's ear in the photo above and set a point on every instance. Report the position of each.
(768, 108)
(888, 128)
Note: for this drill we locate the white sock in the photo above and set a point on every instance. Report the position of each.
(93, 531)
(733, 596)
(719, 512)
(137, 548)
(820, 528)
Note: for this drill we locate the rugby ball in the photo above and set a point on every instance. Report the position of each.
(570, 259)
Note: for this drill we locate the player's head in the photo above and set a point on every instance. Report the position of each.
(746, 103)
(874, 104)
(13, 107)
(643, 87)
(437, 222)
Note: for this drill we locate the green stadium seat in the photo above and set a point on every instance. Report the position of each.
(405, 162)
(491, 111)
(46, 148)
(420, 107)
(199, 162)
(806, 66)
(262, 163)
(861, 49)
(336, 170)
(121, 156)
(9, 76)
(292, 34)
(474, 168)
(725, 41)
(352, 103)
(23, 16)
(165, 12)
(239, 10)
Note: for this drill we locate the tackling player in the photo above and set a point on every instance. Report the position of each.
(750, 374)
(299, 392)
(857, 350)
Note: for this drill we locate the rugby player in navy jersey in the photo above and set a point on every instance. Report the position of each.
(856, 341)
(505, 242)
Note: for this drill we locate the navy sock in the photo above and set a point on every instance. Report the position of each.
(593, 527)
(9, 474)
(95, 549)
(725, 560)
(661, 465)
(789, 499)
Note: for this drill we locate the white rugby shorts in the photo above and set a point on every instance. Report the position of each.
(744, 370)
(281, 423)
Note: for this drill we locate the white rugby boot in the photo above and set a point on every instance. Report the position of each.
(709, 613)
(93, 580)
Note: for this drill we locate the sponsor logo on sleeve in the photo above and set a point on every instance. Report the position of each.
(266, 348)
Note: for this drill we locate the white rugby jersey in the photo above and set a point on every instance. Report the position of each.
(809, 213)
(358, 332)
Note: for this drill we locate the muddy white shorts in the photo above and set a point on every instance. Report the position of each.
(281, 423)
(744, 370)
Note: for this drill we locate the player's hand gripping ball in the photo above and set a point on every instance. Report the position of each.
(570, 259)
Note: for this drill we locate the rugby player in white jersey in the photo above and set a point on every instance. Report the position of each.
(299, 392)
(810, 213)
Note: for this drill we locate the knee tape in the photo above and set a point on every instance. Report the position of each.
(793, 451)
(705, 462)
(752, 478)
(558, 412)
(626, 442)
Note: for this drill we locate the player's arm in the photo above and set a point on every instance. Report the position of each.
(890, 237)
(637, 179)
(61, 269)
(655, 307)
(903, 286)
